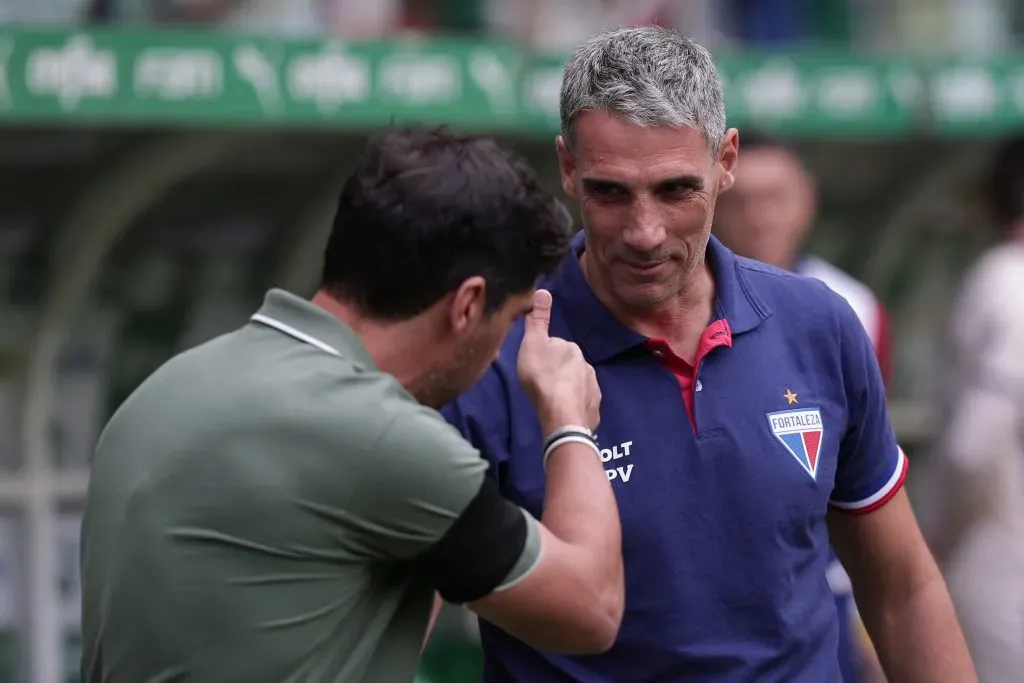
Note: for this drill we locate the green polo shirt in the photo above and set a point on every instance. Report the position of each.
(256, 508)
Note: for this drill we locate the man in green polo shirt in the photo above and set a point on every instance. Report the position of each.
(283, 502)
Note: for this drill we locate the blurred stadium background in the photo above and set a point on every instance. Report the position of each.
(162, 162)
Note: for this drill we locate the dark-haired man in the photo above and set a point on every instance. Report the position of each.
(281, 503)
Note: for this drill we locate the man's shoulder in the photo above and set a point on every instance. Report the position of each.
(372, 410)
(313, 416)
(192, 380)
(861, 298)
(804, 309)
(786, 291)
(238, 384)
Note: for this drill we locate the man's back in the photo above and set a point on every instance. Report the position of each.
(225, 506)
(281, 503)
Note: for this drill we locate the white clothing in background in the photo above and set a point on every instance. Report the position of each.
(984, 441)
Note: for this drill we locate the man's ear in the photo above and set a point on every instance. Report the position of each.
(566, 166)
(468, 305)
(728, 158)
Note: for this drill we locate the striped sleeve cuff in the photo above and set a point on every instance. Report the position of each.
(884, 493)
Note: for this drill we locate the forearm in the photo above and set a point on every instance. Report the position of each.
(918, 639)
(573, 599)
(579, 506)
(580, 509)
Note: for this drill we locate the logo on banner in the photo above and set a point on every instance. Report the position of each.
(799, 431)
(256, 69)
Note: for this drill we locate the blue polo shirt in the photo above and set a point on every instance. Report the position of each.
(723, 471)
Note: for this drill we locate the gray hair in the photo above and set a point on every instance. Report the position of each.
(649, 76)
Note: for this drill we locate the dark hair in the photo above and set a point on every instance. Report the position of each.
(426, 209)
(1006, 183)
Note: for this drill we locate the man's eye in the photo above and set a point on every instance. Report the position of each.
(606, 190)
(676, 189)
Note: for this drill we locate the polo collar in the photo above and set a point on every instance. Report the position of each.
(602, 336)
(310, 324)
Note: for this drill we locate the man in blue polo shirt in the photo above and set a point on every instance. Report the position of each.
(744, 421)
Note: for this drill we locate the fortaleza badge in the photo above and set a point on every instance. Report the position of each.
(799, 432)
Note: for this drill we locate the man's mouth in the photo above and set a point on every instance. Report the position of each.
(646, 267)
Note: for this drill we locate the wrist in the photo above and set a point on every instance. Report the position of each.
(568, 428)
(552, 419)
(569, 434)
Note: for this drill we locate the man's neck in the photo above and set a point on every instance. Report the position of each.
(689, 309)
(396, 347)
(679, 320)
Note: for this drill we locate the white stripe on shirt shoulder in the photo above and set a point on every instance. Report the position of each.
(885, 490)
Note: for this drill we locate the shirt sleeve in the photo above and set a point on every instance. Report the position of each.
(872, 467)
(422, 476)
(426, 500)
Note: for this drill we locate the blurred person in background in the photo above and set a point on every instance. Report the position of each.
(977, 486)
(744, 417)
(767, 216)
(282, 502)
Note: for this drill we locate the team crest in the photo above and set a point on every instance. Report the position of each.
(799, 431)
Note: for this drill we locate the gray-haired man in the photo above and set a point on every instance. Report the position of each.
(744, 421)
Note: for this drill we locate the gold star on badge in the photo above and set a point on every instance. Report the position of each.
(789, 396)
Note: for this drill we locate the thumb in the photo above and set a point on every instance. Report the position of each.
(538, 319)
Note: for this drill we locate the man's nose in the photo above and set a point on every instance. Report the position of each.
(647, 230)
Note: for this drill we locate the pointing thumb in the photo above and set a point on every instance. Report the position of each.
(538, 319)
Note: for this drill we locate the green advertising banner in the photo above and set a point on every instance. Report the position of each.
(181, 78)
(822, 95)
(971, 97)
(172, 78)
